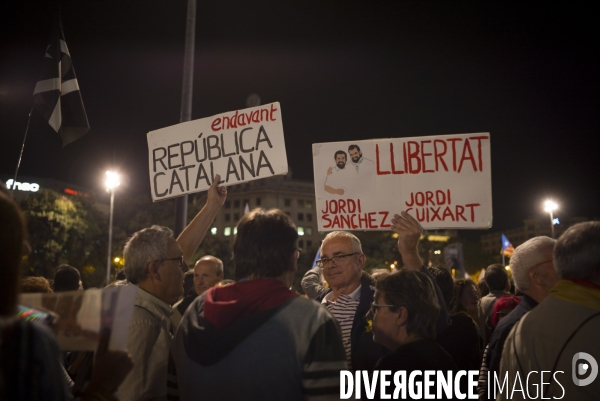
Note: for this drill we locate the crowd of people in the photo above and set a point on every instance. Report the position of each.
(194, 335)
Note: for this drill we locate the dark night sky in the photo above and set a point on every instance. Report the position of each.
(342, 70)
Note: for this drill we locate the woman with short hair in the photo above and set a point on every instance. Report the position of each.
(404, 317)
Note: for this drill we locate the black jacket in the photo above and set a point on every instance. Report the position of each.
(365, 352)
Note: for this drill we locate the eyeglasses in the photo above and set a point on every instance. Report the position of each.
(182, 263)
(337, 259)
(375, 306)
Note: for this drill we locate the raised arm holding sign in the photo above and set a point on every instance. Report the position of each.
(190, 238)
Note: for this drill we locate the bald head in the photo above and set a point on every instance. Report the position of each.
(207, 273)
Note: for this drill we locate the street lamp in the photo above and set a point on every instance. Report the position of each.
(550, 207)
(112, 182)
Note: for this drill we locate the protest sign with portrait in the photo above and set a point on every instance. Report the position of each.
(443, 181)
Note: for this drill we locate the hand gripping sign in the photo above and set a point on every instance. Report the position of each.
(240, 146)
(443, 181)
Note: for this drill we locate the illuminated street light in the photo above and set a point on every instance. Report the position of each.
(550, 207)
(112, 182)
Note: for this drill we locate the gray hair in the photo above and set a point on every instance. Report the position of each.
(577, 251)
(145, 246)
(526, 256)
(356, 245)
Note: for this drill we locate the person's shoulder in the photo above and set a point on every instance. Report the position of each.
(441, 357)
(462, 318)
(321, 297)
(489, 297)
(40, 331)
(43, 339)
(391, 362)
(306, 303)
(142, 318)
(510, 320)
(198, 302)
(309, 309)
(176, 304)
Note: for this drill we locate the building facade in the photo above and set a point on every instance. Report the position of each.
(295, 198)
(533, 227)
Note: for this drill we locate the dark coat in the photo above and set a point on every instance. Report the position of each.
(365, 351)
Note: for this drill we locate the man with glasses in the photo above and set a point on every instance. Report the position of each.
(351, 294)
(560, 335)
(533, 270)
(155, 262)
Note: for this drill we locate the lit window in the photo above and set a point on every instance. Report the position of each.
(308, 230)
(300, 230)
(234, 230)
(309, 204)
(213, 231)
(227, 231)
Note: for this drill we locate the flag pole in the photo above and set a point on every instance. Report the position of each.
(12, 187)
(181, 203)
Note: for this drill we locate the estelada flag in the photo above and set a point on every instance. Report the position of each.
(507, 248)
(56, 95)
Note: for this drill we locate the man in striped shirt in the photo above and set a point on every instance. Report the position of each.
(351, 295)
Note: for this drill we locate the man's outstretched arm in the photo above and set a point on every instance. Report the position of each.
(409, 232)
(190, 238)
(334, 191)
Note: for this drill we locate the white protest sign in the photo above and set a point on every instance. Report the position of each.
(82, 315)
(443, 181)
(240, 146)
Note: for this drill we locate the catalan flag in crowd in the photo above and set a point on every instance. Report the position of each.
(56, 95)
(507, 248)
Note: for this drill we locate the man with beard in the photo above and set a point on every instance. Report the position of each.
(365, 168)
(362, 173)
(338, 179)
